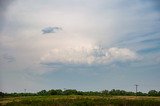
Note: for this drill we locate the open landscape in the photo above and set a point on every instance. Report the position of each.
(77, 100)
(79, 52)
(72, 97)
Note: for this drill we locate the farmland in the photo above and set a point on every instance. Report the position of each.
(79, 100)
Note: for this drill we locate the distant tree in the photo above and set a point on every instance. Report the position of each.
(130, 93)
(43, 92)
(80, 93)
(70, 92)
(59, 92)
(112, 92)
(122, 92)
(55, 92)
(105, 92)
(159, 93)
(153, 93)
(2, 94)
(140, 94)
(75, 92)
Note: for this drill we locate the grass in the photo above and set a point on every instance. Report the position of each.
(76, 100)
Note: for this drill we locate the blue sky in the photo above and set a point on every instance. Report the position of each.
(79, 44)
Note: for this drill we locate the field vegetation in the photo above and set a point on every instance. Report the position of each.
(78, 98)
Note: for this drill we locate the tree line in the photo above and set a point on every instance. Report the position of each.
(88, 93)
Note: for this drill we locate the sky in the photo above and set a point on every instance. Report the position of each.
(79, 44)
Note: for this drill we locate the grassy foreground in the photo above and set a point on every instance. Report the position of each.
(76, 100)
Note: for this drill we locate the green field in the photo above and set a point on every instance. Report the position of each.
(75, 100)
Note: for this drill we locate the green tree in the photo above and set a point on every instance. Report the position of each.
(105, 92)
(55, 92)
(140, 94)
(2, 94)
(42, 92)
(70, 92)
(153, 93)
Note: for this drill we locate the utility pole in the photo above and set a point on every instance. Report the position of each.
(25, 90)
(136, 88)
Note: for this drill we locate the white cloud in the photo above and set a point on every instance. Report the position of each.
(121, 54)
(84, 24)
(89, 55)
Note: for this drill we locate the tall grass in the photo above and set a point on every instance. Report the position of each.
(83, 101)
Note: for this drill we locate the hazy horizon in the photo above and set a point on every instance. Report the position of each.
(79, 44)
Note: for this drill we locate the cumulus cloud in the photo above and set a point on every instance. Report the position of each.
(93, 55)
(51, 29)
(121, 54)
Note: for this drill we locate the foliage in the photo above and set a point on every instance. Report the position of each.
(89, 93)
(43, 92)
(55, 92)
(2, 94)
(154, 93)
